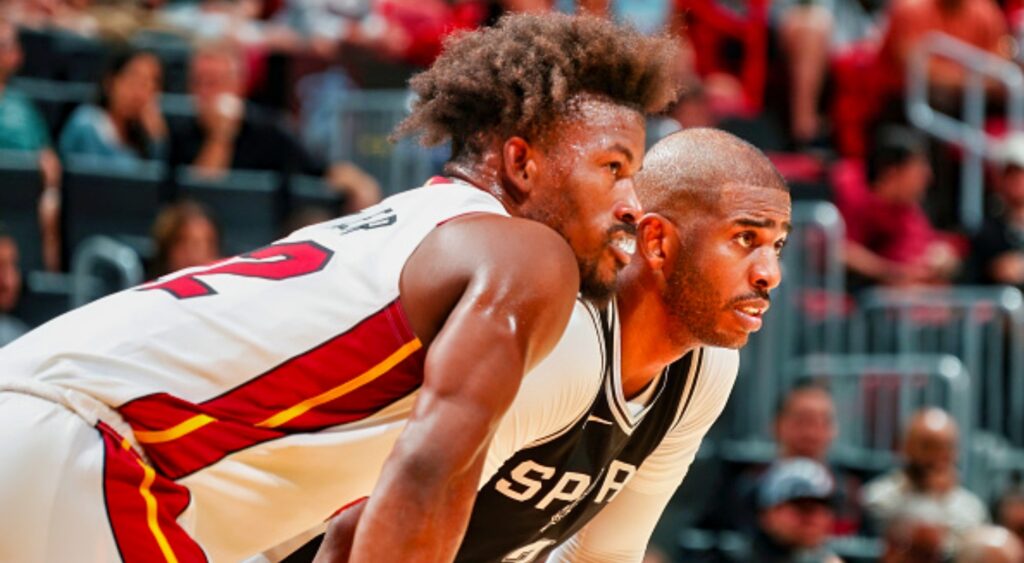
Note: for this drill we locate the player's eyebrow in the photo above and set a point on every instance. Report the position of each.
(619, 147)
(762, 223)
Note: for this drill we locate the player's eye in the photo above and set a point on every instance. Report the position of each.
(615, 166)
(746, 239)
(779, 246)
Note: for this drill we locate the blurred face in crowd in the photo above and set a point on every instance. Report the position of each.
(10, 275)
(1012, 187)
(930, 446)
(135, 86)
(10, 51)
(213, 74)
(799, 523)
(806, 426)
(910, 180)
(195, 244)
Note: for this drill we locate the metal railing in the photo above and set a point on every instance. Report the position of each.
(361, 125)
(968, 132)
(96, 256)
(982, 326)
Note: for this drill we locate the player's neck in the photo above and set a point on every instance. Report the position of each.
(646, 349)
(483, 174)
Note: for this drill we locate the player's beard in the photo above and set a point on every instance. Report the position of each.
(693, 301)
(592, 288)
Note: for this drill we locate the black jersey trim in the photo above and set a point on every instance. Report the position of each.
(694, 376)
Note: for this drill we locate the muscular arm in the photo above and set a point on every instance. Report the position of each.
(489, 296)
(620, 532)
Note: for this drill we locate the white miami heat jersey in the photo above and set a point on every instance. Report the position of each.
(271, 384)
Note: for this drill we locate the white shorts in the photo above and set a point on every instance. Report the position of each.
(72, 488)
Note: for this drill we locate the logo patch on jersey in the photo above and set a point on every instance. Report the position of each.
(365, 221)
(527, 554)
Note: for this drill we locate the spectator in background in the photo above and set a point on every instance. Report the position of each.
(810, 33)
(405, 32)
(1010, 511)
(794, 514)
(979, 23)
(126, 126)
(185, 235)
(22, 128)
(10, 289)
(805, 422)
(228, 133)
(999, 245)
(990, 544)
(71, 16)
(889, 238)
(805, 426)
(928, 482)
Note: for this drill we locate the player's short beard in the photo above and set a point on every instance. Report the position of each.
(692, 300)
(592, 287)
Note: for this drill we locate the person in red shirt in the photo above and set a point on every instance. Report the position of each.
(979, 23)
(889, 238)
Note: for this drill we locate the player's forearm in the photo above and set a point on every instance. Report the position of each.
(420, 515)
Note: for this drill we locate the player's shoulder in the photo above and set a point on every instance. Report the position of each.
(714, 371)
(516, 248)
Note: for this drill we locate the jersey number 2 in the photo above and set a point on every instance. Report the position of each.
(274, 262)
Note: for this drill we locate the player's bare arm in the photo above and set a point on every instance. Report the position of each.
(483, 332)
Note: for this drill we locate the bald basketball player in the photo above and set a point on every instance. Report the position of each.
(604, 430)
(221, 410)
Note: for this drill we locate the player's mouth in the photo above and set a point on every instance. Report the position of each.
(751, 313)
(623, 245)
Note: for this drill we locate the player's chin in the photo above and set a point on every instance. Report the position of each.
(732, 337)
(597, 288)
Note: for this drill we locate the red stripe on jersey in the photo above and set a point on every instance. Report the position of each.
(308, 375)
(352, 504)
(178, 450)
(434, 180)
(346, 379)
(143, 507)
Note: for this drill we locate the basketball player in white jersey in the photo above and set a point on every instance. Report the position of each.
(604, 430)
(218, 411)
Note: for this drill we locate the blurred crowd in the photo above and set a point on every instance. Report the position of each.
(793, 508)
(820, 85)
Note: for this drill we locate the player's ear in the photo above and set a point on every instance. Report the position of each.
(519, 166)
(652, 240)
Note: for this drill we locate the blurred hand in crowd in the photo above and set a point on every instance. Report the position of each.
(216, 83)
